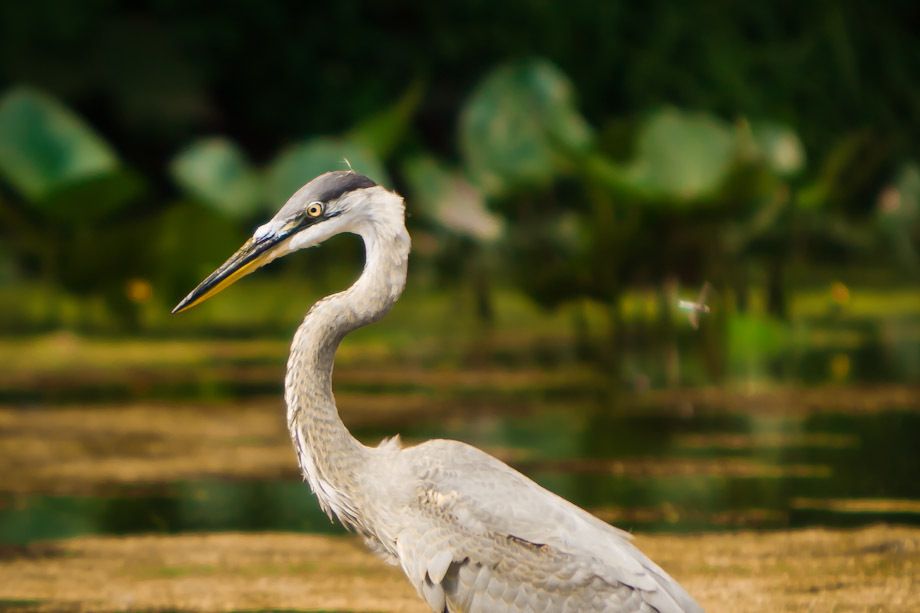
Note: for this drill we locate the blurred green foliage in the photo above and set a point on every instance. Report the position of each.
(573, 150)
(519, 126)
(45, 146)
(58, 164)
(218, 174)
(681, 157)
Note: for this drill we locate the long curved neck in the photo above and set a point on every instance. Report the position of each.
(330, 457)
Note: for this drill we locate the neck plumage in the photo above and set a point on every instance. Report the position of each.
(331, 459)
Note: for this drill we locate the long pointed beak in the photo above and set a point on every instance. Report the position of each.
(253, 254)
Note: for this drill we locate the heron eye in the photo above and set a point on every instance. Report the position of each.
(315, 209)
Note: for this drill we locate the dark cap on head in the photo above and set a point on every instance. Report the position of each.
(332, 185)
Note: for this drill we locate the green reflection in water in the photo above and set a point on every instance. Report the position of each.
(192, 506)
(635, 470)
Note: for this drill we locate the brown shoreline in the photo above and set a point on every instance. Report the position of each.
(868, 569)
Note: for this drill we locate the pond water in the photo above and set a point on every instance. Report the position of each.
(668, 467)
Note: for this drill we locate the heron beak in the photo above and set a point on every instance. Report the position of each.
(253, 254)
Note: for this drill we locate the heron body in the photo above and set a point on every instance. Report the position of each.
(470, 533)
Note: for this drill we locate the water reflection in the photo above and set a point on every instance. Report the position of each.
(651, 470)
(85, 447)
(192, 506)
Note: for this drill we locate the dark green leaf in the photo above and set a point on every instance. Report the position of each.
(521, 126)
(44, 147)
(682, 156)
(218, 174)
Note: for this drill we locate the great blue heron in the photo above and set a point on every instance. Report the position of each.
(470, 533)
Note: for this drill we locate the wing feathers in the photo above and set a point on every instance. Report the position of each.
(481, 536)
(438, 565)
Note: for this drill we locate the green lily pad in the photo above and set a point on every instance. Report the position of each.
(46, 150)
(520, 126)
(218, 174)
(681, 156)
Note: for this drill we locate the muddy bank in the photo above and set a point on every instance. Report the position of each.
(871, 569)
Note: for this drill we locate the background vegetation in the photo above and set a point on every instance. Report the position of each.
(569, 152)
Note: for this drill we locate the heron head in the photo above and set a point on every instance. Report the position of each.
(330, 204)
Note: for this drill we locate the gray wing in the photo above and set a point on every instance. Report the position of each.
(482, 537)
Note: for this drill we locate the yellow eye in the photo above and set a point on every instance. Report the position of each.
(315, 209)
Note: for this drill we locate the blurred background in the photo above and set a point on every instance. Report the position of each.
(572, 172)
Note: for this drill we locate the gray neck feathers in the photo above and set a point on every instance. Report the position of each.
(331, 459)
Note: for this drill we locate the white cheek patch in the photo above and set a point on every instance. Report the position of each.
(311, 236)
(321, 231)
(300, 240)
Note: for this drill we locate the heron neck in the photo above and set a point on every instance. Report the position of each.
(330, 457)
